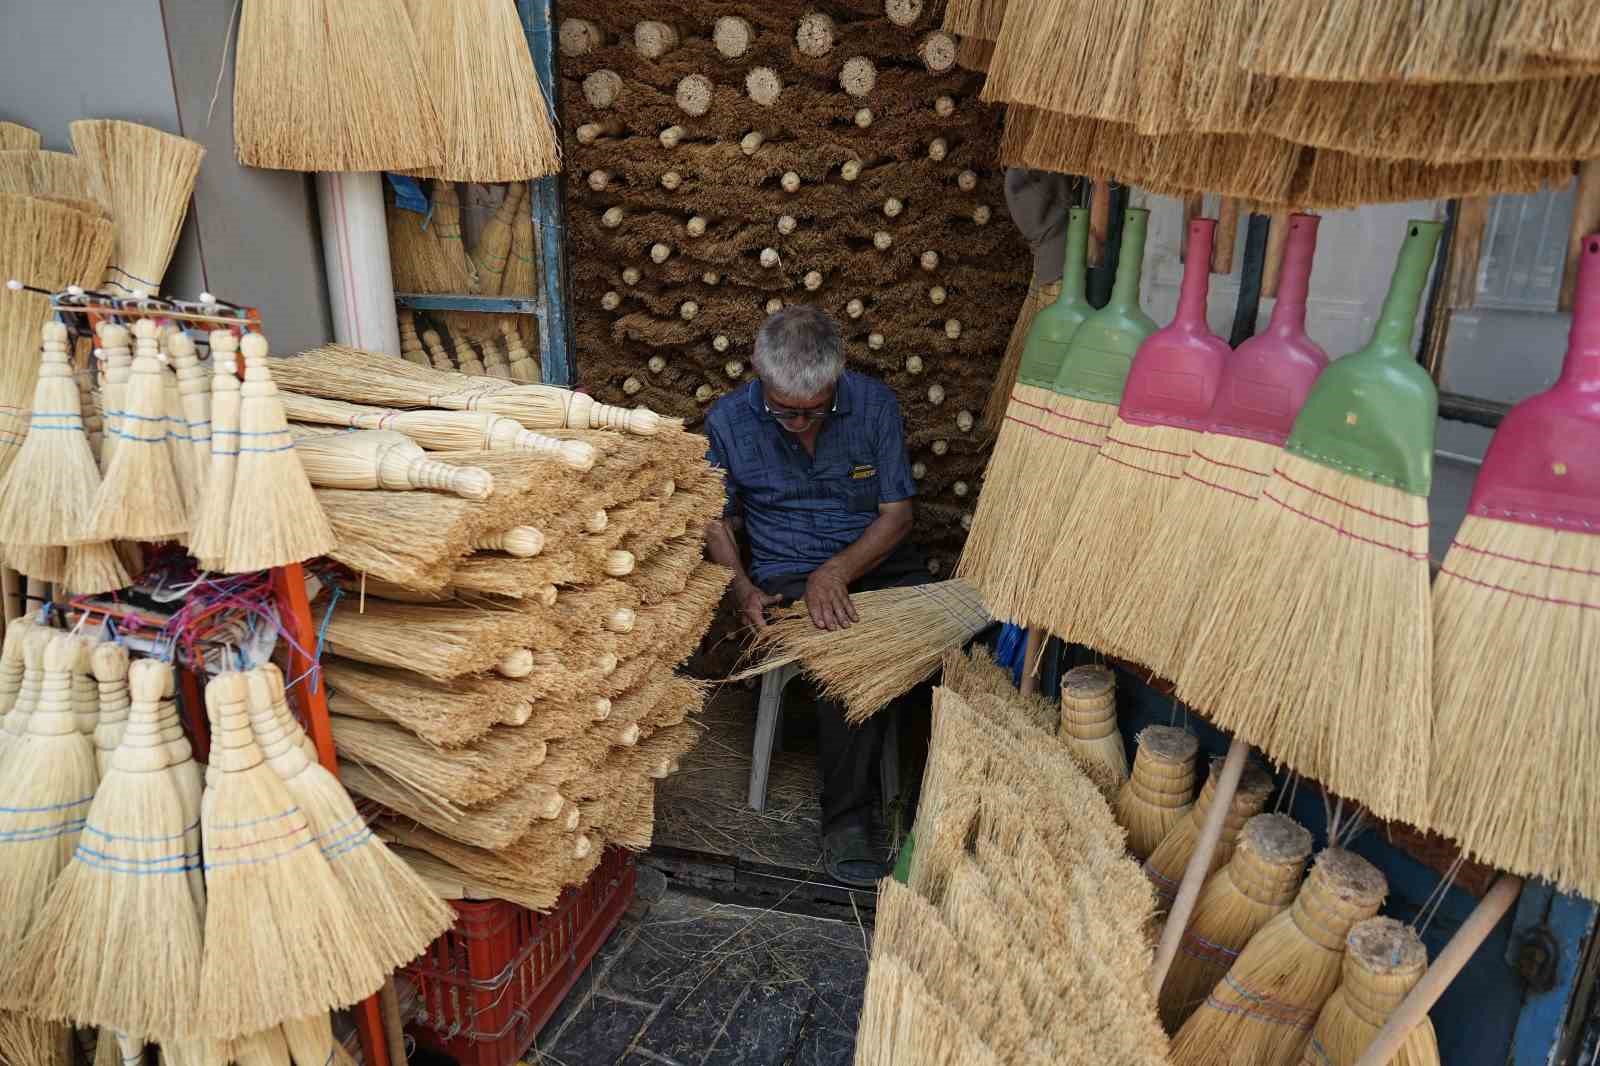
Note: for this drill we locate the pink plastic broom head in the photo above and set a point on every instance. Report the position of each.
(1541, 467)
(1176, 371)
(1268, 378)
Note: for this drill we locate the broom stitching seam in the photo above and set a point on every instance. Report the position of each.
(112, 867)
(1145, 447)
(1136, 466)
(97, 831)
(1203, 457)
(1529, 562)
(1220, 487)
(42, 832)
(1262, 1006)
(83, 853)
(256, 821)
(309, 840)
(1552, 600)
(1345, 532)
(1053, 413)
(1053, 433)
(1347, 504)
(1365, 473)
(51, 807)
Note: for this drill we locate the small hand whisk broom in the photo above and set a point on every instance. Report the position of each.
(187, 775)
(208, 535)
(33, 639)
(1169, 389)
(1262, 1012)
(139, 497)
(1166, 865)
(274, 517)
(194, 398)
(1383, 961)
(1257, 884)
(1264, 384)
(520, 277)
(493, 251)
(1516, 620)
(1319, 646)
(385, 459)
(375, 881)
(11, 666)
(1160, 791)
(109, 661)
(125, 895)
(1089, 727)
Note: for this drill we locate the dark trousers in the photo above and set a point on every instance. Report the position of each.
(847, 755)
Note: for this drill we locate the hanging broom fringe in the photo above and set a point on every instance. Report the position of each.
(1336, 180)
(144, 177)
(1562, 30)
(1074, 57)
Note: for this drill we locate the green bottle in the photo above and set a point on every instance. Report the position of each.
(1373, 413)
(1097, 362)
(1053, 327)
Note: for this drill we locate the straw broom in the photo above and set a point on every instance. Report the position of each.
(1006, 565)
(1171, 584)
(208, 534)
(180, 440)
(1263, 1011)
(354, 97)
(524, 367)
(1166, 865)
(340, 373)
(1072, 57)
(109, 661)
(26, 1041)
(1553, 30)
(188, 776)
(385, 459)
(51, 485)
(11, 666)
(48, 246)
(1258, 883)
(444, 715)
(1523, 573)
(898, 641)
(36, 172)
(144, 177)
(1089, 726)
(495, 825)
(310, 1039)
(408, 539)
(116, 357)
(373, 880)
(139, 496)
(1160, 791)
(194, 394)
(477, 773)
(85, 690)
(457, 268)
(281, 938)
(45, 793)
(1338, 688)
(33, 640)
(903, 1024)
(494, 243)
(1157, 426)
(521, 276)
(275, 518)
(16, 135)
(441, 643)
(1336, 180)
(126, 892)
(1383, 961)
(424, 259)
(443, 430)
(973, 673)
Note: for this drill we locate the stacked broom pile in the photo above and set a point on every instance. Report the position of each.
(501, 653)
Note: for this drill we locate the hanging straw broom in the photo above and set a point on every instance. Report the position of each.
(457, 268)
(1515, 618)
(109, 661)
(1011, 536)
(194, 394)
(51, 485)
(385, 459)
(116, 368)
(1383, 961)
(332, 87)
(1160, 791)
(520, 278)
(282, 940)
(1337, 180)
(1073, 57)
(1170, 387)
(1258, 883)
(16, 135)
(144, 177)
(1335, 688)
(1089, 726)
(208, 534)
(443, 430)
(1166, 865)
(11, 665)
(311, 1039)
(48, 246)
(1263, 1011)
(424, 259)
(36, 172)
(45, 793)
(1561, 30)
(412, 916)
(275, 518)
(496, 122)
(341, 373)
(125, 892)
(188, 776)
(33, 640)
(85, 691)
(897, 641)
(1172, 584)
(139, 495)
(180, 443)
(494, 243)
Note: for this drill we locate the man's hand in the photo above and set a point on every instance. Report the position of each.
(828, 599)
(753, 603)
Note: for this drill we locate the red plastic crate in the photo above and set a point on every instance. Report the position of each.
(487, 986)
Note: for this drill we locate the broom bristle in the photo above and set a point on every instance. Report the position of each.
(1257, 884)
(1383, 961)
(493, 251)
(1088, 727)
(1262, 1012)
(24, 1039)
(126, 890)
(439, 642)
(1514, 619)
(1172, 581)
(520, 280)
(445, 715)
(1160, 791)
(1338, 180)
(1002, 393)
(1555, 29)
(354, 99)
(208, 534)
(1116, 506)
(139, 496)
(476, 773)
(52, 482)
(1077, 58)
(311, 1039)
(1166, 865)
(16, 135)
(1329, 553)
(36, 172)
(275, 517)
(144, 177)
(496, 122)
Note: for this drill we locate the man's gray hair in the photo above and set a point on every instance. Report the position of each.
(798, 351)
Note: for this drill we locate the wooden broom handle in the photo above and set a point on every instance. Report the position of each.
(1277, 240)
(1030, 655)
(1194, 875)
(1585, 220)
(1099, 220)
(1468, 939)
(1227, 236)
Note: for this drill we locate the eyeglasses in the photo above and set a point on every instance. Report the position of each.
(790, 414)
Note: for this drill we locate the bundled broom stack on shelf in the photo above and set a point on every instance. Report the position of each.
(727, 161)
(501, 655)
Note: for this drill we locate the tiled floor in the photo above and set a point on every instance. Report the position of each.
(685, 982)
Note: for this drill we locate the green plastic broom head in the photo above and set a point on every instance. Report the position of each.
(1097, 362)
(1053, 327)
(1373, 412)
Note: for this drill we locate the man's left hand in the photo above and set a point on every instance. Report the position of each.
(828, 599)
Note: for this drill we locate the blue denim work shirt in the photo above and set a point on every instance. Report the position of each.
(800, 511)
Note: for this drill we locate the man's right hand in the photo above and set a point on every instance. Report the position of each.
(753, 603)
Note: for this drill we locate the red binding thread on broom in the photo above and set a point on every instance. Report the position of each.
(1135, 466)
(1538, 598)
(1057, 414)
(1344, 532)
(1347, 504)
(1219, 488)
(1053, 433)
(1203, 457)
(1527, 562)
(1262, 1008)
(1145, 447)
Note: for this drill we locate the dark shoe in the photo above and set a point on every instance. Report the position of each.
(850, 858)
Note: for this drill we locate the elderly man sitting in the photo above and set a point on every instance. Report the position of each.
(817, 476)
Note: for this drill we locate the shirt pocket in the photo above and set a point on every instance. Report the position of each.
(862, 490)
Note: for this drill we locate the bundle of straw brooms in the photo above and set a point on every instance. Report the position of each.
(1319, 105)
